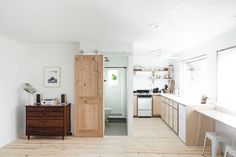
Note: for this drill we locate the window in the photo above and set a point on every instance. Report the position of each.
(113, 77)
(226, 79)
(194, 73)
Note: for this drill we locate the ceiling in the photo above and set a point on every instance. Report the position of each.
(150, 25)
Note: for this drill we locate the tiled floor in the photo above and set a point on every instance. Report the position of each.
(116, 129)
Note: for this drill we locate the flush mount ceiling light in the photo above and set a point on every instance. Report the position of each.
(153, 25)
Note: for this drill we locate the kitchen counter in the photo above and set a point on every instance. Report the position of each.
(181, 100)
(185, 101)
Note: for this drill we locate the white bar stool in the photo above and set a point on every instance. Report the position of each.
(217, 139)
(230, 150)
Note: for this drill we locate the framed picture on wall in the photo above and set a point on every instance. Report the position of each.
(52, 76)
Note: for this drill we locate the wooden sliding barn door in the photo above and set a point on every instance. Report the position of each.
(89, 95)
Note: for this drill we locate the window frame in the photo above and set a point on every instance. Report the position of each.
(218, 53)
(189, 60)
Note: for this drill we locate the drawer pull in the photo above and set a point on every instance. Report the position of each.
(44, 131)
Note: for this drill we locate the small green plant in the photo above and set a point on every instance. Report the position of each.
(204, 99)
(114, 77)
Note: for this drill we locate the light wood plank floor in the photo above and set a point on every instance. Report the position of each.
(152, 138)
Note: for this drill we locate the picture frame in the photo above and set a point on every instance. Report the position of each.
(52, 77)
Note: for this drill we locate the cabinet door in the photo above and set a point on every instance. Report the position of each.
(166, 113)
(171, 109)
(162, 110)
(135, 106)
(175, 121)
(156, 107)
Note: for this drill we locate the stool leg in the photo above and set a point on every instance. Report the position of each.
(226, 151)
(204, 146)
(214, 146)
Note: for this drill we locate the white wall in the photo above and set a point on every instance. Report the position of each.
(116, 61)
(210, 48)
(106, 46)
(130, 95)
(12, 70)
(52, 54)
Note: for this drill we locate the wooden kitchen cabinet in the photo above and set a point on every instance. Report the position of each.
(171, 116)
(175, 118)
(188, 125)
(156, 105)
(166, 118)
(135, 106)
(162, 110)
(183, 120)
(169, 113)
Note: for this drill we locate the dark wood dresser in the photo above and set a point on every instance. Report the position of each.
(48, 120)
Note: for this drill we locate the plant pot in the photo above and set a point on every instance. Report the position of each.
(31, 99)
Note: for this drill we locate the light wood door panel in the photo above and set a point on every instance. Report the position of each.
(156, 107)
(171, 110)
(87, 113)
(162, 110)
(175, 125)
(89, 95)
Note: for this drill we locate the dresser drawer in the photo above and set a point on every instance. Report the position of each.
(44, 131)
(44, 115)
(44, 123)
(55, 109)
(35, 109)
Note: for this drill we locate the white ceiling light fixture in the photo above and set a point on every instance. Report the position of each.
(159, 53)
(154, 26)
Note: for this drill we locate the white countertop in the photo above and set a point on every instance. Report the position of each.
(219, 116)
(185, 101)
(181, 100)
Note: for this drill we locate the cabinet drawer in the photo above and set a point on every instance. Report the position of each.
(54, 109)
(44, 115)
(34, 109)
(44, 123)
(171, 103)
(44, 131)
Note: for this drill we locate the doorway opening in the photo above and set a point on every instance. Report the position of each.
(115, 97)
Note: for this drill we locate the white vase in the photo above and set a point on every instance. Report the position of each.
(31, 99)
